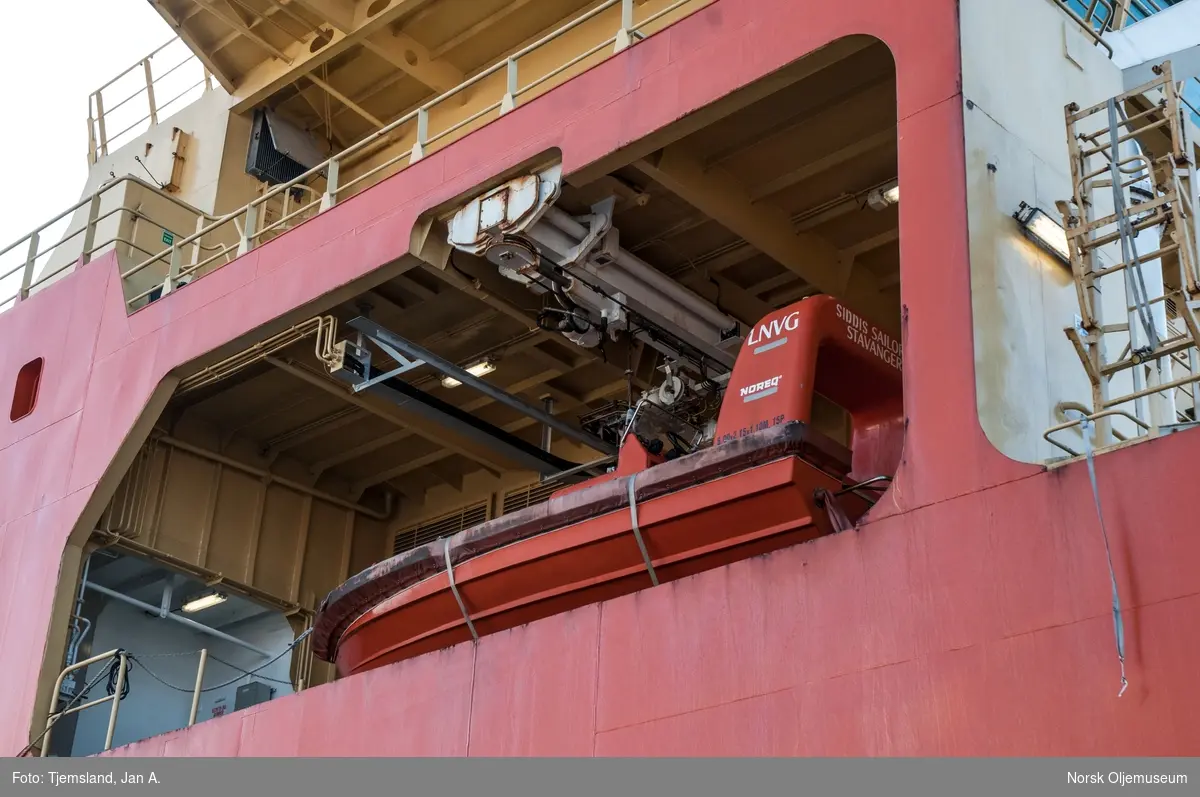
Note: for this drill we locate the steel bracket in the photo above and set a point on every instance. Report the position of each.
(406, 351)
(405, 364)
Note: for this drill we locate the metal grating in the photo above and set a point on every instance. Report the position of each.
(441, 526)
(522, 497)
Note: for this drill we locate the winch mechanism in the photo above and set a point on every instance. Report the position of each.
(597, 290)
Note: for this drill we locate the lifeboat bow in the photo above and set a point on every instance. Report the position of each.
(769, 480)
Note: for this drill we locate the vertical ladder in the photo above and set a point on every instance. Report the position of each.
(1133, 169)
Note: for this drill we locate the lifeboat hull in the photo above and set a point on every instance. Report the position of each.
(695, 513)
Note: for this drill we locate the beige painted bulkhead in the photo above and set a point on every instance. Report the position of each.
(202, 501)
(1024, 61)
(211, 144)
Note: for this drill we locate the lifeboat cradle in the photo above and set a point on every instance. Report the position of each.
(769, 480)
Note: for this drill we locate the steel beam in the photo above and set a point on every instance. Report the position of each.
(769, 229)
(387, 338)
(459, 422)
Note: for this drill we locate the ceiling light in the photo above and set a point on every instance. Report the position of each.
(203, 602)
(478, 369)
(884, 197)
(1043, 230)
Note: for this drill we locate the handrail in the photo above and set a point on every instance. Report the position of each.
(115, 698)
(1118, 14)
(98, 115)
(1093, 417)
(628, 33)
(1188, 103)
(88, 230)
(1085, 24)
(330, 168)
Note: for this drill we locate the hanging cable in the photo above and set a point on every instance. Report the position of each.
(70, 704)
(245, 673)
(114, 674)
(157, 182)
(1087, 426)
(1135, 278)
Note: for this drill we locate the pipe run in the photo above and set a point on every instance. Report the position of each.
(204, 629)
(643, 272)
(78, 630)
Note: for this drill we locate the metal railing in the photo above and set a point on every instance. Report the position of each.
(1106, 15)
(121, 658)
(32, 241)
(146, 87)
(1062, 427)
(1192, 90)
(248, 224)
(1097, 17)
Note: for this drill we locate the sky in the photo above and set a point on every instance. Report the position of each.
(49, 65)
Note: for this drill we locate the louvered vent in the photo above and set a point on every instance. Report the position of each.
(441, 526)
(1175, 326)
(518, 499)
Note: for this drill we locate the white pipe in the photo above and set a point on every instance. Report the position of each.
(564, 222)
(664, 284)
(626, 282)
(181, 620)
(645, 273)
(646, 295)
(78, 634)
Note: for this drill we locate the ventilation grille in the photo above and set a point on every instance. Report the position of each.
(522, 497)
(264, 160)
(441, 526)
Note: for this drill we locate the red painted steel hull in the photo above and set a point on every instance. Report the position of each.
(968, 615)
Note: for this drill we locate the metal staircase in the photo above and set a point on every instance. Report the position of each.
(1132, 216)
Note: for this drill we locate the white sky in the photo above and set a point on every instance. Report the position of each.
(55, 56)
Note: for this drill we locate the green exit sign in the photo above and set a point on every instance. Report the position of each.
(168, 238)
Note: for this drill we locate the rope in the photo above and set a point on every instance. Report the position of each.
(1087, 427)
(454, 588)
(637, 532)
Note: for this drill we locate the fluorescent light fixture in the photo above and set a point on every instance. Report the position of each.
(884, 197)
(1041, 228)
(203, 602)
(478, 369)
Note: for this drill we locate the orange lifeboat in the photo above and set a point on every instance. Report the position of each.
(769, 480)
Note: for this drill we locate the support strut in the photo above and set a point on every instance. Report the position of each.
(389, 340)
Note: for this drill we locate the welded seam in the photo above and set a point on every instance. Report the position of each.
(956, 497)
(471, 697)
(596, 687)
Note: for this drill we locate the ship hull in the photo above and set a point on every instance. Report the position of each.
(968, 614)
